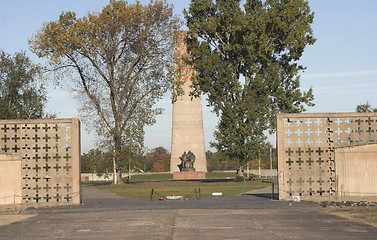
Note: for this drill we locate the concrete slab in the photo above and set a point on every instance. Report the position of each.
(106, 216)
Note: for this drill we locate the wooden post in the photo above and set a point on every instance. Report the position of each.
(152, 194)
(247, 170)
(271, 162)
(259, 171)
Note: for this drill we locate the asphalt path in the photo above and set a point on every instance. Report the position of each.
(251, 216)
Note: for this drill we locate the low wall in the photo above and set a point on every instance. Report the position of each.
(189, 175)
(262, 173)
(85, 177)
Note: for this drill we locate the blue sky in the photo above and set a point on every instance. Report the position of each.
(341, 66)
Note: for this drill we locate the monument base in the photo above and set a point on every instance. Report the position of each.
(189, 175)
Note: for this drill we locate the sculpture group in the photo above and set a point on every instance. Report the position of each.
(187, 162)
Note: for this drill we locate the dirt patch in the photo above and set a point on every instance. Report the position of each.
(363, 214)
(8, 219)
(11, 214)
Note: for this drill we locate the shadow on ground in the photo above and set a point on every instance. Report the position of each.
(264, 195)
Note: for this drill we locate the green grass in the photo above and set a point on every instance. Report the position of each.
(169, 176)
(189, 189)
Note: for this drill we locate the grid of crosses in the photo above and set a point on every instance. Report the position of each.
(46, 154)
(307, 145)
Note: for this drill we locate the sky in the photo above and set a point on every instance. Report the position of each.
(341, 65)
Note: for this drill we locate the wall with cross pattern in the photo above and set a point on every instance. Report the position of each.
(306, 149)
(49, 150)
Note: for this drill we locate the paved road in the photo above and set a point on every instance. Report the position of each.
(106, 216)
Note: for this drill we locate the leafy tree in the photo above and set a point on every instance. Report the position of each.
(365, 108)
(246, 59)
(214, 161)
(96, 161)
(134, 160)
(217, 161)
(22, 93)
(120, 61)
(265, 157)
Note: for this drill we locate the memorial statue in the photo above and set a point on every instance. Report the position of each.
(187, 162)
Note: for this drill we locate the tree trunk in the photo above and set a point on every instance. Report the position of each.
(115, 176)
(119, 175)
(117, 161)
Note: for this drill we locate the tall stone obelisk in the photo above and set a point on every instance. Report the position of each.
(187, 127)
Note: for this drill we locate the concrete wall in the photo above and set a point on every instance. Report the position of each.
(50, 158)
(10, 179)
(187, 126)
(356, 171)
(85, 177)
(306, 150)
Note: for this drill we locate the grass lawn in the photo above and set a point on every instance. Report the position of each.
(169, 176)
(189, 189)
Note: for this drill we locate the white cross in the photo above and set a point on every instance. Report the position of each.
(339, 141)
(289, 142)
(338, 131)
(289, 132)
(67, 127)
(348, 131)
(67, 137)
(309, 141)
(319, 142)
(288, 122)
(318, 132)
(308, 121)
(318, 121)
(298, 132)
(309, 132)
(298, 142)
(298, 122)
(338, 121)
(348, 121)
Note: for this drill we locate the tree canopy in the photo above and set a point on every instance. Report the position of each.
(120, 62)
(365, 108)
(22, 92)
(246, 58)
(96, 161)
(160, 159)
